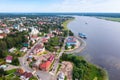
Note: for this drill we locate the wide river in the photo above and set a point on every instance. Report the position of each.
(103, 42)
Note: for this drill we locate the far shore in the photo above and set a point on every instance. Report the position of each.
(110, 19)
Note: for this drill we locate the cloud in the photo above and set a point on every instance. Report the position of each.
(63, 6)
(86, 6)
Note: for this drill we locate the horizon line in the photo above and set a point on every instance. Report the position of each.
(60, 12)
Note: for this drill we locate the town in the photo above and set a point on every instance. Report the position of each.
(31, 48)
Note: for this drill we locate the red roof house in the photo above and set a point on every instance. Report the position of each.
(51, 58)
(44, 40)
(2, 35)
(26, 76)
(9, 59)
(38, 49)
(45, 66)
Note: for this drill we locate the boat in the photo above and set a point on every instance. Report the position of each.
(82, 35)
(86, 23)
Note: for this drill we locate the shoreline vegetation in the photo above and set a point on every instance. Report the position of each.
(64, 24)
(110, 19)
(82, 69)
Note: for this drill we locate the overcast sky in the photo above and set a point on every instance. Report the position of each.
(60, 6)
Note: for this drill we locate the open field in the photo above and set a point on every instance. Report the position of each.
(110, 19)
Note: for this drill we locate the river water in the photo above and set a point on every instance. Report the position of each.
(103, 42)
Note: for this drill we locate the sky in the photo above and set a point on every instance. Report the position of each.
(72, 6)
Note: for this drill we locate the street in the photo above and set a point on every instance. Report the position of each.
(40, 74)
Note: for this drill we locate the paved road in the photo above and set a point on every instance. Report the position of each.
(40, 74)
(56, 63)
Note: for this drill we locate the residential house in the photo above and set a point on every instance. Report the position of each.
(23, 49)
(12, 50)
(3, 66)
(35, 37)
(1, 31)
(2, 35)
(3, 25)
(20, 71)
(34, 31)
(23, 29)
(51, 58)
(23, 74)
(38, 49)
(30, 57)
(6, 30)
(45, 66)
(9, 59)
(41, 23)
(44, 40)
(61, 76)
(50, 35)
(16, 26)
(26, 76)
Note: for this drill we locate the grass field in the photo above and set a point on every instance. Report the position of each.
(66, 23)
(111, 19)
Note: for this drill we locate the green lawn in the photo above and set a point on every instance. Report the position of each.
(2, 61)
(66, 23)
(33, 78)
(10, 75)
(58, 68)
(11, 71)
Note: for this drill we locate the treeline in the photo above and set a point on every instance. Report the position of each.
(12, 40)
(83, 70)
(65, 33)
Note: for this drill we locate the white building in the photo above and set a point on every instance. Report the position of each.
(1, 31)
(7, 31)
(24, 49)
(61, 76)
(34, 31)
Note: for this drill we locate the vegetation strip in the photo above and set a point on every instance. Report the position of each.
(83, 70)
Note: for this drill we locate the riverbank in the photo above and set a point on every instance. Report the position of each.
(100, 70)
(66, 23)
(83, 70)
(104, 72)
(101, 74)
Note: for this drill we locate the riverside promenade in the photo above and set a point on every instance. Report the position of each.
(79, 48)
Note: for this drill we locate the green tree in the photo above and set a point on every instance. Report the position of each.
(15, 61)
(2, 72)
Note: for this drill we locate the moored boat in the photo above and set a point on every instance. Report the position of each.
(82, 35)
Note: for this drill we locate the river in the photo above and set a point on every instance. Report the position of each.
(103, 42)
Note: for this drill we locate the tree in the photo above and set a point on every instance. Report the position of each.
(71, 33)
(3, 53)
(15, 61)
(2, 72)
(3, 45)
